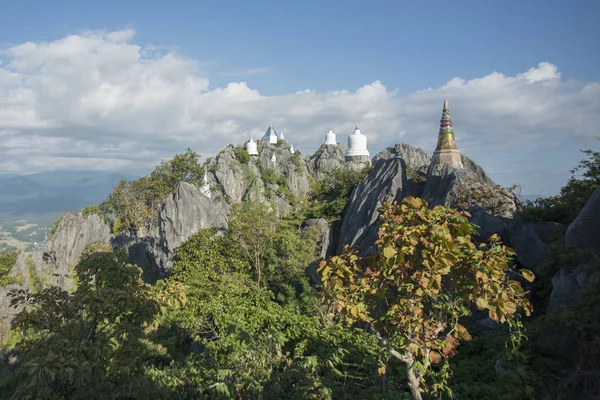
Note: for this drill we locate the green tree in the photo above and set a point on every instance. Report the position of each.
(94, 342)
(423, 279)
(134, 205)
(7, 262)
(241, 154)
(565, 206)
(252, 346)
(184, 167)
(254, 228)
(331, 195)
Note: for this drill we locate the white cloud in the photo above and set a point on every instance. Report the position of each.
(97, 100)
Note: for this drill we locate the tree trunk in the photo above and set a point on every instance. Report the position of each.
(414, 383)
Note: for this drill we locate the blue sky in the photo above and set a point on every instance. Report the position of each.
(325, 45)
(279, 48)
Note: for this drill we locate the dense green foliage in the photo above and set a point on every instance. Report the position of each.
(133, 206)
(331, 195)
(241, 154)
(239, 318)
(565, 206)
(7, 262)
(94, 341)
(567, 366)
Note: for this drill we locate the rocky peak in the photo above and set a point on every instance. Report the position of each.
(444, 183)
(326, 159)
(183, 214)
(73, 233)
(414, 157)
(387, 181)
(54, 265)
(273, 177)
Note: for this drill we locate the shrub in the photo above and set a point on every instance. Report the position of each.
(241, 154)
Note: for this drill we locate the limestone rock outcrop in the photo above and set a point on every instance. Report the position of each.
(584, 231)
(414, 157)
(53, 265)
(569, 284)
(387, 181)
(269, 177)
(183, 214)
(326, 244)
(326, 159)
(74, 232)
(444, 183)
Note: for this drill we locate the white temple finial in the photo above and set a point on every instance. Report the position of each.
(330, 138)
(281, 136)
(292, 149)
(252, 147)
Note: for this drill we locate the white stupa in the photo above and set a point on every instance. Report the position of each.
(330, 138)
(357, 144)
(251, 147)
(270, 135)
(292, 149)
(273, 158)
(205, 188)
(281, 136)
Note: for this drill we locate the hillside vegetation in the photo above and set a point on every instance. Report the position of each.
(237, 315)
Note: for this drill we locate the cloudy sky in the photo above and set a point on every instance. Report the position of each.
(120, 85)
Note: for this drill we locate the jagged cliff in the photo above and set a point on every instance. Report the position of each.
(53, 265)
(282, 180)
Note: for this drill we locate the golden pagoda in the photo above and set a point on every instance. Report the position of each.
(446, 151)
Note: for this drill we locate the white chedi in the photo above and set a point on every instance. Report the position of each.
(270, 135)
(281, 136)
(292, 149)
(205, 188)
(330, 138)
(252, 147)
(357, 144)
(273, 158)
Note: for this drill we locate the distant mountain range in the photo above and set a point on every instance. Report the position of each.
(43, 196)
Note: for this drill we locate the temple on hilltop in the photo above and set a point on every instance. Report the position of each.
(270, 135)
(357, 147)
(446, 151)
(252, 147)
(330, 138)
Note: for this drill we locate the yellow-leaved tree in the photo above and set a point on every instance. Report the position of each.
(426, 275)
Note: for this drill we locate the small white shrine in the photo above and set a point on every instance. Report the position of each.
(357, 144)
(252, 147)
(330, 138)
(205, 188)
